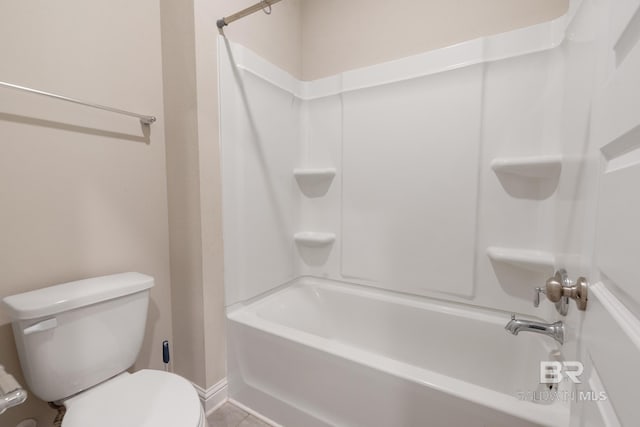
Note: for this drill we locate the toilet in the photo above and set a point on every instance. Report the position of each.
(75, 343)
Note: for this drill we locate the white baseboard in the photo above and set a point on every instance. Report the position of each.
(217, 395)
(213, 397)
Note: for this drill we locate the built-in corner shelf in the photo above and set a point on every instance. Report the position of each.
(314, 239)
(529, 167)
(537, 261)
(314, 173)
(314, 182)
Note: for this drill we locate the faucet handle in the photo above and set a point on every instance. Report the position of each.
(536, 296)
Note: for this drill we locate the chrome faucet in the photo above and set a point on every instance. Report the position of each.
(554, 330)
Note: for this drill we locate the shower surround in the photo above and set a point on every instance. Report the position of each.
(382, 224)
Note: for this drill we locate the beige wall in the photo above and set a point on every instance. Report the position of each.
(342, 35)
(82, 192)
(183, 183)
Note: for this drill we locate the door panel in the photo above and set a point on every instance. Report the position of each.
(616, 134)
(609, 336)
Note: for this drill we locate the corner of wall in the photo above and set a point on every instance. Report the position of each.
(183, 188)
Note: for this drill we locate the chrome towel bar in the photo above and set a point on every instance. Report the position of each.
(145, 120)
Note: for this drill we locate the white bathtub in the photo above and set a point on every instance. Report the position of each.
(320, 353)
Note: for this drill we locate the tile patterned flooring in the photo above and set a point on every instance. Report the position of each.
(229, 415)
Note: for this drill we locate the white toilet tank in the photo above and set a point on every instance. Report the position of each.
(75, 335)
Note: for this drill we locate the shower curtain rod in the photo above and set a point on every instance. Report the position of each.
(223, 22)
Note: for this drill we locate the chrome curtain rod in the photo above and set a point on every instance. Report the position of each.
(145, 120)
(223, 22)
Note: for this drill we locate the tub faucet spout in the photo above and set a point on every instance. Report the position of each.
(554, 330)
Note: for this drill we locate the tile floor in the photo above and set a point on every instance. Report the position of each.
(229, 415)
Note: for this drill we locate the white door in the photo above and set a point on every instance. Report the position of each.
(609, 331)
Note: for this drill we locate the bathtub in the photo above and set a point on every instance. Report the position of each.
(326, 353)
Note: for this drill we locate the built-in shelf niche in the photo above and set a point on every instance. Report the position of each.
(314, 182)
(314, 239)
(532, 260)
(534, 177)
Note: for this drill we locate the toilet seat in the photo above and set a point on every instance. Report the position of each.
(146, 398)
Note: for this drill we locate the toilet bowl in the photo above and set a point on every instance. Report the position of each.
(146, 398)
(76, 341)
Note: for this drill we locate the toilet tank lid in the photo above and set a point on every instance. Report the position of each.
(68, 296)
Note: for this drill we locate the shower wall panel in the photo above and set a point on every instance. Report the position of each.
(260, 133)
(410, 182)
